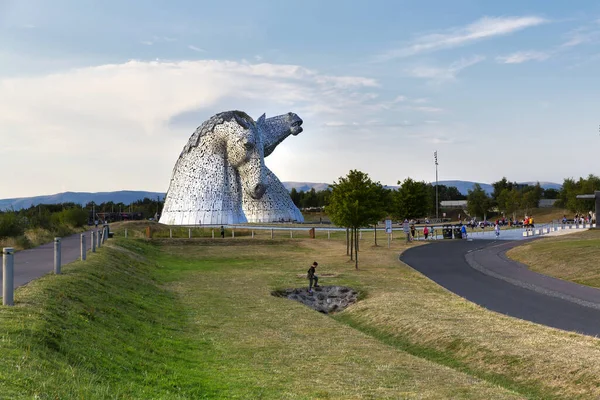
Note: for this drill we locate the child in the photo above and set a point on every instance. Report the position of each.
(312, 277)
(497, 229)
(426, 232)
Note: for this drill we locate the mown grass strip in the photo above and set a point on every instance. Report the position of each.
(572, 257)
(447, 358)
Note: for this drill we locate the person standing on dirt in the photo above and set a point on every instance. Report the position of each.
(222, 232)
(312, 277)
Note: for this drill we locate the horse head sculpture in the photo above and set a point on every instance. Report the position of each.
(223, 160)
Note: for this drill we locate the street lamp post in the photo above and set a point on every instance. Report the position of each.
(437, 216)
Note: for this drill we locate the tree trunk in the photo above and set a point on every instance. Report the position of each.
(357, 234)
(352, 244)
(375, 234)
(347, 242)
(356, 252)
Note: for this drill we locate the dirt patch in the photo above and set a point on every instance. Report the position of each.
(320, 275)
(325, 299)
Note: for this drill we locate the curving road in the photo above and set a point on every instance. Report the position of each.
(480, 272)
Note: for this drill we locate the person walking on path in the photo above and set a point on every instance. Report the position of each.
(312, 277)
(406, 229)
(463, 231)
(497, 229)
(222, 232)
(426, 232)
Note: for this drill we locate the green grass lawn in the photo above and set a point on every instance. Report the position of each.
(573, 257)
(192, 319)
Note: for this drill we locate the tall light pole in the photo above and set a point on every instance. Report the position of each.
(437, 216)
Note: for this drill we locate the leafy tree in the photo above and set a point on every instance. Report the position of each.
(509, 201)
(478, 202)
(295, 196)
(570, 190)
(500, 186)
(531, 197)
(551, 194)
(445, 193)
(355, 202)
(411, 199)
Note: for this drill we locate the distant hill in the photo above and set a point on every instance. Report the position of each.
(123, 196)
(464, 186)
(129, 196)
(305, 186)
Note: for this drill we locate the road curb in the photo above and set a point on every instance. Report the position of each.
(469, 257)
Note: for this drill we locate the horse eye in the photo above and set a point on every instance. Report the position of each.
(248, 146)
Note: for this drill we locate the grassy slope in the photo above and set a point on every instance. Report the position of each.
(260, 346)
(199, 321)
(572, 257)
(110, 328)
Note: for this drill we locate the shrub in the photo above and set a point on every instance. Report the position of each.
(11, 225)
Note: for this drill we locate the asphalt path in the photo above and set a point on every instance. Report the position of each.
(527, 297)
(37, 262)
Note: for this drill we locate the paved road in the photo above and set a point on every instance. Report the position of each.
(536, 298)
(34, 263)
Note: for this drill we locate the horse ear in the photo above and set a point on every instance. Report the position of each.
(261, 120)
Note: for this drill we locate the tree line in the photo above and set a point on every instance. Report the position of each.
(60, 219)
(356, 201)
(512, 198)
(417, 198)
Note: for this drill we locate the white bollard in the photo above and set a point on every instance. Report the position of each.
(8, 276)
(93, 239)
(57, 255)
(328, 234)
(189, 233)
(291, 234)
(232, 233)
(252, 233)
(359, 234)
(125, 233)
(170, 233)
(213, 233)
(83, 247)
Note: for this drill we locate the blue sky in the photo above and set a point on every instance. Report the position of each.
(100, 96)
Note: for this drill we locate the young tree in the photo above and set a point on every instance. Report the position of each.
(478, 201)
(531, 197)
(355, 202)
(500, 186)
(411, 199)
(509, 201)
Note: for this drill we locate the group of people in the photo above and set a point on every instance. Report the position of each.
(409, 229)
(588, 218)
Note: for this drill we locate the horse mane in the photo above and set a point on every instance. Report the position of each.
(208, 126)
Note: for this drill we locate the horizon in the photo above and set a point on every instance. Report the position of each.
(502, 86)
(441, 182)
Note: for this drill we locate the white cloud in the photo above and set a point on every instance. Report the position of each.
(438, 74)
(428, 109)
(120, 116)
(583, 35)
(198, 49)
(147, 42)
(486, 27)
(523, 56)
